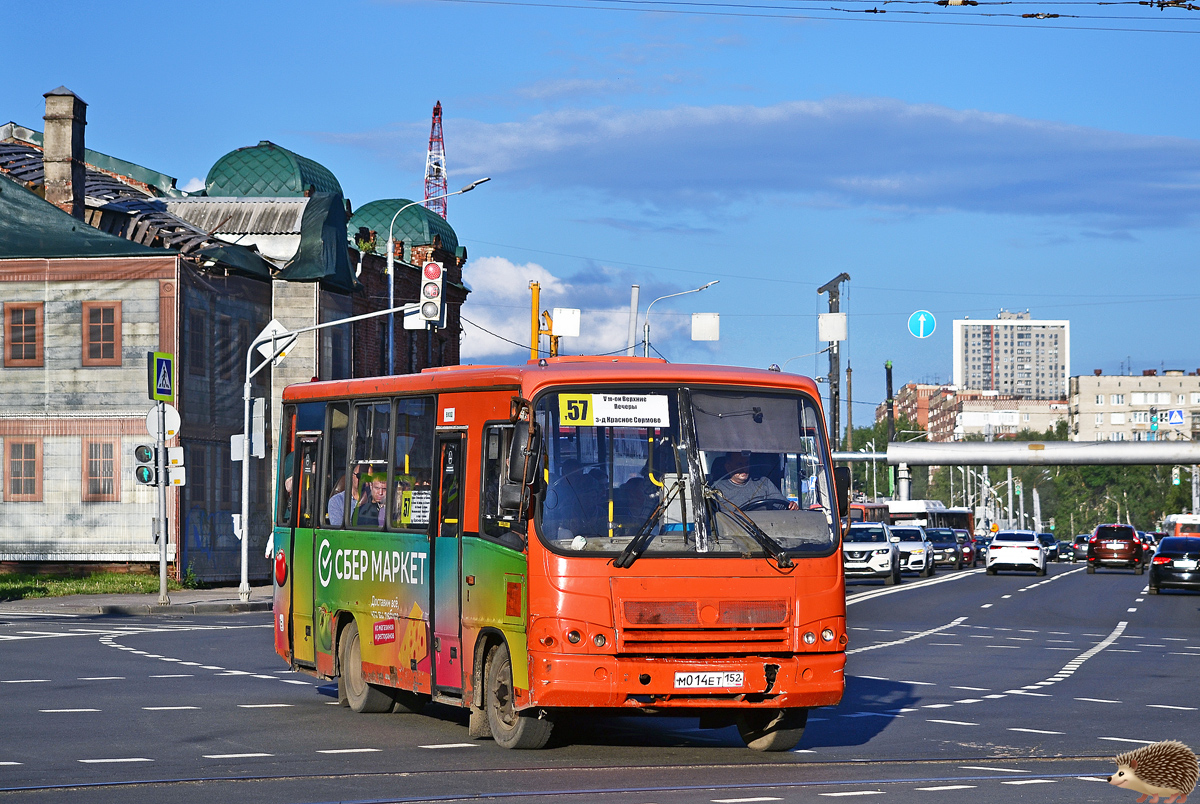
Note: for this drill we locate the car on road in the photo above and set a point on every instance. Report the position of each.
(1115, 545)
(1066, 551)
(1079, 547)
(981, 547)
(1176, 564)
(916, 551)
(1050, 545)
(869, 550)
(1016, 550)
(966, 543)
(945, 547)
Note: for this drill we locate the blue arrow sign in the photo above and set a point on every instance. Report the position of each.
(921, 324)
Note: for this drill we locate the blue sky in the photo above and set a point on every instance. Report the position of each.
(956, 168)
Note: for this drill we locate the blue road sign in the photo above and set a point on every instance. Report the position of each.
(161, 371)
(921, 324)
(1175, 417)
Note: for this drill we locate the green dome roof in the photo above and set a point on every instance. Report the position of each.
(415, 225)
(268, 171)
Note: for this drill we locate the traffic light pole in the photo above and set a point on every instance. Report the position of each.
(160, 445)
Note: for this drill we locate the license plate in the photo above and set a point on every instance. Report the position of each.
(694, 681)
(1115, 545)
(1182, 563)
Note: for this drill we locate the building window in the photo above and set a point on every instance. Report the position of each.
(226, 348)
(1099, 399)
(197, 354)
(1118, 399)
(24, 463)
(1099, 418)
(102, 333)
(1116, 418)
(102, 471)
(23, 332)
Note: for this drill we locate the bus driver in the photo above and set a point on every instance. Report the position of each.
(737, 487)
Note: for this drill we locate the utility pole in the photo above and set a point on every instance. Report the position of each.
(1010, 496)
(833, 288)
(534, 329)
(1196, 489)
(633, 313)
(849, 410)
(891, 422)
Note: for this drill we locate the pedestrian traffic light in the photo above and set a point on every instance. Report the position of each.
(146, 471)
(1174, 475)
(431, 293)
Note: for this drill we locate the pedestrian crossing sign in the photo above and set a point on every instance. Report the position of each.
(160, 370)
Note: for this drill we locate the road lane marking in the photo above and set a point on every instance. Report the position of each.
(1126, 740)
(1024, 692)
(25, 681)
(951, 722)
(1005, 597)
(986, 606)
(236, 756)
(997, 770)
(891, 590)
(168, 708)
(1030, 781)
(936, 706)
(874, 678)
(846, 793)
(1010, 647)
(919, 683)
(115, 759)
(1167, 706)
(102, 678)
(909, 638)
(1132, 609)
(1037, 731)
(972, 689)
(9, 763)
(174, 675)
(947, 644)
(744, 800)
(995, 696)
(349, 750)
(970, 701)
(210, 667)
(68, 710)
(294, 681)
(949, 787)
(265, 706)
(1097, 700)
(451, 745)
(1092, 779)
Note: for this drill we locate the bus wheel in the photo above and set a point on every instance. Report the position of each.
(361, 696)
(510, 728)
(772, 729)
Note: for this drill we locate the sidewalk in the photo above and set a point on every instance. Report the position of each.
(183, 601)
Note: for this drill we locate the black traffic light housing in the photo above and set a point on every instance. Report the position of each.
(146, 470)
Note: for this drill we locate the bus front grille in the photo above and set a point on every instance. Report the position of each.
(632, 640)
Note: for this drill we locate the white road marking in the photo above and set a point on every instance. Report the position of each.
(168, 708)
(874, 678)
(25, 681)
(294, 681)
(1022, 639)
(949, 787)
(947, 644)
(67, 710)
(952, 722)
(1126, 740)
(349, 750)
(102, 678)
(1060, 649)
(236, 756)
(970, 701)
(1011, 647)
(1025, 692)
(1005, 597)
(1030, 781)
(847, 793)
(210, 667)
(995, 696)
(1097, 700)
(972, 689)
(936, 706)
(451, 745)
(1132, 609)
(1064, 641)
(907, 639)
(891, 590)
(174, 675)
(1122, 650)
(266, 706)
(1092, 779)
(997, 770)
(986, 606)
(1166, 706)
(743, 800)
(9, 763)
(1140, 600)
(919, 683)
(1173, 639)
(115, 759)
(1037, 731)
(1151, 646)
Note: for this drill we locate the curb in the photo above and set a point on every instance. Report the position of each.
(146, 609)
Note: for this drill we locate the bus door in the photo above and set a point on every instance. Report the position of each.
(447, 564)
(308, 509)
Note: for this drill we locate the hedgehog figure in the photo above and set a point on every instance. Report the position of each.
(1165, 769)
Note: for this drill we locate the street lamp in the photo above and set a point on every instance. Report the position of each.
(646, 331)
(391, 247)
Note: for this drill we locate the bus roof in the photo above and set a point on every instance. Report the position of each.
(1183, 519)
(532, 377)
(915, 506)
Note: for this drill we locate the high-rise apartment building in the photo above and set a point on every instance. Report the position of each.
(1013, 354)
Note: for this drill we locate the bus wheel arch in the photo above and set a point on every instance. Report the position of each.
(353, 688)
(510, 727)
(478, 727)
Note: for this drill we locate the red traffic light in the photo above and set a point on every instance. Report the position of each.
(431, 291)
(433, 270)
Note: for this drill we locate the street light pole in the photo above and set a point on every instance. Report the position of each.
(646, 331)
(391, 248)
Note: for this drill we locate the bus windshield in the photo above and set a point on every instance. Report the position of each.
(685, 471)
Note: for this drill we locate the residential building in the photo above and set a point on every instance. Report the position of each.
(1014, 355)
(954, 415)
(1122, 407)
(912, 403)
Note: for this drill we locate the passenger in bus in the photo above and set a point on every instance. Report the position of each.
(739, 488)
(575, 503)
(370, 509)
(335, 515)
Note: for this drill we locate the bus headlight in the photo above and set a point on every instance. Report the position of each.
(827, 635)
(809, 637)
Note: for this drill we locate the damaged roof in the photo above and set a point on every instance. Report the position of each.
(416, 225)
(268, 170)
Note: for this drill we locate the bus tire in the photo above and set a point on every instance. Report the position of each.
(510, 728)
(361, 696)
(772, 729)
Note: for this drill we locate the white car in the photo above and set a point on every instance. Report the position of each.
(1016, 550)
(871, 551)
(916, 551)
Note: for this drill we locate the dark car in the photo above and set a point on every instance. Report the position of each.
(1048, 541)
(966, 543)
(1176, 565)
(1066, 552)
(1115, 546)
(981, 547)
(1079, 547)
(945, 547)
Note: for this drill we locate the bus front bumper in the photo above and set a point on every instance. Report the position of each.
(805, 680)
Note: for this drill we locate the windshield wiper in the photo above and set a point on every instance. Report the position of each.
(776, 550)
(645, 534)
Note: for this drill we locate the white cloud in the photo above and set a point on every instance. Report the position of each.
(193, 184)
(500, 302)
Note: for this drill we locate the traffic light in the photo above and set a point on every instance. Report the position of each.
(1174, 475)
(431, 293)
(1153, 419)
(146, 471)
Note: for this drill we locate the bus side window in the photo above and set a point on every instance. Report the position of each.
(336, 436)
(368, 503)
(283, 505)
(504, 526)
(412, 458)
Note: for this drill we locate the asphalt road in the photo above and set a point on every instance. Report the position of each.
(963, 686)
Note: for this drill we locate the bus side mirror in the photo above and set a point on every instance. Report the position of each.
(524, 454)
(841, 480)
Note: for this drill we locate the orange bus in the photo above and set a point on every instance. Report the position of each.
(576, 533)
(870, 512)
(1181, 524)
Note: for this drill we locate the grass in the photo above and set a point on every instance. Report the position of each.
(19, 587)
